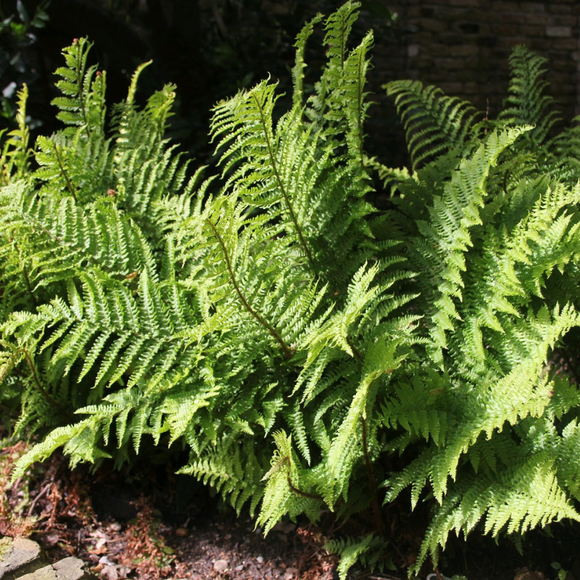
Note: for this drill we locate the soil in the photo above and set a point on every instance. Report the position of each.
(149, 524)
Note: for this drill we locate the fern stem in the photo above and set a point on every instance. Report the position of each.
(40, 387)
(26, 277)
(297, 491)
(371, 479)
(283, 188)
(354, 349)
(260, 319)
(359, 120)
(28, 285)
(81, 76)
(69, 185)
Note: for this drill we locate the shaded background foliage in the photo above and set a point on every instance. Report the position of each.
(209, 48)
(212, 48)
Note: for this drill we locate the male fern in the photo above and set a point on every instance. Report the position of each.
(267, 321)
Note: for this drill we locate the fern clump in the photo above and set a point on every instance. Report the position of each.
(265, 318)
(490, 220)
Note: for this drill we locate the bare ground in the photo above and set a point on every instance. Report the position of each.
(150, 524)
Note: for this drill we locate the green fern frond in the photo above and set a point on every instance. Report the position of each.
(446, 237)
(434, 123)
(62, 238)
(14, 158)
(521, 497)
(369, 551)
(83, 87)
(300, 64)
(527, 104)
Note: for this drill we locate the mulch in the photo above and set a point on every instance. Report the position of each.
(150, 524)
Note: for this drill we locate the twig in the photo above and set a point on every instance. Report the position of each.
(42, 493)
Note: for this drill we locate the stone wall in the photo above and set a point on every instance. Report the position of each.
(462, 46)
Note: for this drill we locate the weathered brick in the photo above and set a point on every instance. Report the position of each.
(471, 88)
(463, 45)
(413, 50)
(450, 13)
(504, 29)
(468, 28)
(504, 6)
(432, 25)
(423, 62)
(560, 20)
(556, 8)
(451, 38)
(472, 3)
(469, 73)
(564, 43)
(561, 80)
(511, 41)
(537, 19)
(563, 90)
(449, 63)
(487, 41)
(463, 50)
(562, 65)
(535, 7)
(512, 17)
(558, 31)
(530, 30)
(451, 88)
(539, 44)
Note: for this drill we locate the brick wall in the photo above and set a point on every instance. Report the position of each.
(462, 46)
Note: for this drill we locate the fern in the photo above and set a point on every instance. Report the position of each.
(494, 255)
(264, 316)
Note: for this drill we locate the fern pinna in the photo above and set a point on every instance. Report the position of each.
(267, 319)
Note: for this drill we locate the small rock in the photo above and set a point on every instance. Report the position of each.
(69, 569)
(109, 573)
(284, 527)
(46, 573)
(239, 568)
(19, 553)
(220, 566)
(260, 559)
(115, 527)
(291, 574)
